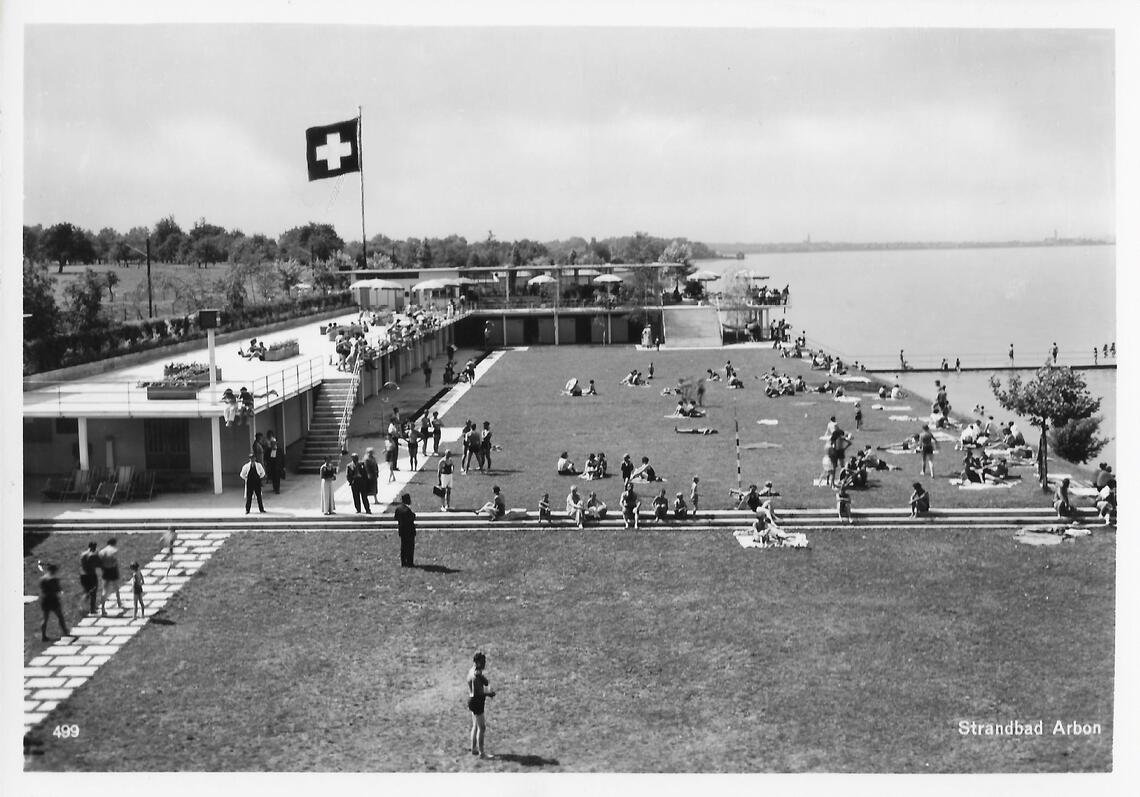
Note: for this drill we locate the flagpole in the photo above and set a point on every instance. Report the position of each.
(360, 162)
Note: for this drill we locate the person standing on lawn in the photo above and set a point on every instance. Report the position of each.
(425, 431)
(109, 563)
(50, 591)
(406, 526)
(477, 693)
(252, 473)
(89, 577)
(927, 445)
(413, 447)
(436, 432)
(445, 473)
(485, 445)
(694, 494)
(357, 478)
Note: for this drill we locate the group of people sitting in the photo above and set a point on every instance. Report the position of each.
(687, 408)
(450, 377)
(598, 468)
(238, 408)
(981, 468)
(594, 508)
(574, 388)
(255, 351)
(635, 379)
(782, 385)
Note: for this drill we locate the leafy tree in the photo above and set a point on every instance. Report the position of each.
(327, 279)
(253, 249)
(1052, 399)
(233, 285)
(39, 302)
(168, 240)
(309, 244)
(1077, 440)
(32, 242)
(206, 244)
(85, 302)
(111, 279)
(65, 243)
(106, 242)
(424, 254)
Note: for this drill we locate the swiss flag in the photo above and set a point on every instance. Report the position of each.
(333, 150)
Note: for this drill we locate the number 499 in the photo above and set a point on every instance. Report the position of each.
(65, 731)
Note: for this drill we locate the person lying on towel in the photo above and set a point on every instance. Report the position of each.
(696, 430)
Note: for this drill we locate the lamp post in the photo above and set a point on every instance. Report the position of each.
(149, 291)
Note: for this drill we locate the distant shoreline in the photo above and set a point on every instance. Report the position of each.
(728, 251)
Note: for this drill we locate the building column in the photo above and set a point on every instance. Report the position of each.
(216, 452)
(84, 459)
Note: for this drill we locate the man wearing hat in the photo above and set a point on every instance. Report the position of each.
(357, 476)
(252, 473)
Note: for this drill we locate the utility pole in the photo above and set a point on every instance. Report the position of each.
(149, 290)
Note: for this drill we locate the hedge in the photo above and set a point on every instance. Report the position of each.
(61, 351)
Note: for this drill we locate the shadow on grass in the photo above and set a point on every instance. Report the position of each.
(437, 569)
(527, 760)
(32, 541)
(162, 621)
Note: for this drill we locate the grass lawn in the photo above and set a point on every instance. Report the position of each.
(611, 651)
(533, 423)
(130, 302)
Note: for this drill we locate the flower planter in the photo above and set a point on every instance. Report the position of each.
(282, 352)
(172, 392)
(196, 379)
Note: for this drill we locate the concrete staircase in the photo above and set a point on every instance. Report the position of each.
(323, 438)
(690, 326)
(465, 520)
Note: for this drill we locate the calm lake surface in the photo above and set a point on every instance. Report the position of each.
(965, 303)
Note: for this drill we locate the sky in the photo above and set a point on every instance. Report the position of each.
(719, 135)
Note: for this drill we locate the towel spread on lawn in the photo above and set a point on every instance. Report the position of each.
(965, 485)
(899, 407)
(747, 539)
(848, 399)
(1049, 535)
(767, 422)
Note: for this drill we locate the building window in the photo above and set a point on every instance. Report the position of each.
(37, 430)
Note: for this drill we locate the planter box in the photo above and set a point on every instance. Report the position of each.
(172, 392)
(199, 379)
(283, 353)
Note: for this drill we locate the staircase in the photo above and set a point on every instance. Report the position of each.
(687, 327)
(323, 439)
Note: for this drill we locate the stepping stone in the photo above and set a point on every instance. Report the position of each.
(52, 694)
(31, 705)
(105, 650)
(44, 683)
(98, 661)
(33, 718)
(78, 671)
(40, 672)
(74, 683)
(40, 661)
(48, 706)
(73, 660)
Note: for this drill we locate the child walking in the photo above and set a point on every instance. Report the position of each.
(137, 590)
(477, 694)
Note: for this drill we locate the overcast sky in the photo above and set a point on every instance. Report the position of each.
(719, 135)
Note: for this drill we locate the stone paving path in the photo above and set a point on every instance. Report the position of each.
(52, 676)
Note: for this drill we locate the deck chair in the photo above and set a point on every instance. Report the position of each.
(106, 493)
(124, 477)
(143, 484)
(80, 486)
(55, 487)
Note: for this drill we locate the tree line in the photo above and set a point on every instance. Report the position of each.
(206, 244)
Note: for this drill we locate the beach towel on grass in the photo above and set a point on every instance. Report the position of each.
(747, 540)
(863, 379)
(965, 485)
(848, 399)
(803, 403)
(896, 408)
(768, 422)
(945, 437)
(903, 418)
(1050, 534)
(761, 444)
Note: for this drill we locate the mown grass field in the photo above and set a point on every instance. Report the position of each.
(612, 652)
(533, 423)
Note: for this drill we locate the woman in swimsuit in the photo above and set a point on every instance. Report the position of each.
(446, 476)
(477, 694)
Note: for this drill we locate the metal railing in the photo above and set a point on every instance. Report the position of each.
(124, 398)
(349, 405)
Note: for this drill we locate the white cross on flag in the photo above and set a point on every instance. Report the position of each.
(333, 150)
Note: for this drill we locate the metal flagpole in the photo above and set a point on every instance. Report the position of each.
(360, 162)
(736, 423)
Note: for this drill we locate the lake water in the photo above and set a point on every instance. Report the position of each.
(965, 303)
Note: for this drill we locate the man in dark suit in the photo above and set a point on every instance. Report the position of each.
(274, 461)
(406, 523)
(253, 473)
(357, 475)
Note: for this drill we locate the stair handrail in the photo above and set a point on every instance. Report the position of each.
(349, 404)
